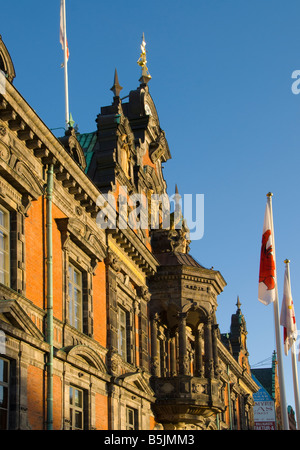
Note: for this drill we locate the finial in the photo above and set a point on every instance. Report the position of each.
(146, 77)
(71, 122)
(238, 303)
(176, 189)
(287, 261)
(116, 87)
(269, 194)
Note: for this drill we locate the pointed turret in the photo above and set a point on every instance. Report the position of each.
(178, 217)
(238, 333)
(116, 88)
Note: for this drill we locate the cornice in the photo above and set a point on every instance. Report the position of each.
(135, 248)
(29, 128)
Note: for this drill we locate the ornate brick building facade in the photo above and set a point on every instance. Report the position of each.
(100, 328)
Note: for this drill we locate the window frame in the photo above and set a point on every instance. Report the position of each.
(124, 335)
(73, 408)
(6, 385)
(135, 424)
(73, 302)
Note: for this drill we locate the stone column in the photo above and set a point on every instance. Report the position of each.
(135, 337)
(183, 357)
(162, 352)
(215, 350)
(199, 370)
(154, 356)
(209, 369)
(173, 371)
(144, 350)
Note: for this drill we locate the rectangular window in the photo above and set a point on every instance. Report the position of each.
(4, 393)
(75, 298)
(131, 419)
(124, 335)
(4, 247)
(76, 408)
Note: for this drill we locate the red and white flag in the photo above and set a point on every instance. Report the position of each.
(287, 315)
(62, 30)
(267, 269)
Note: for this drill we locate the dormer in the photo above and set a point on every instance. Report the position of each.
(71, 144)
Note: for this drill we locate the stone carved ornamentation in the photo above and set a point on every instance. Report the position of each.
(143, 292)
(113, 362)
(199, 388)
(178, 240)
(2, 130)
(113, 261)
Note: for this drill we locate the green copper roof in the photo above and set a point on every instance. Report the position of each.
(266, 377)
(87, 142)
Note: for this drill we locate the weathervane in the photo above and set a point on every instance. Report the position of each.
(143, 63)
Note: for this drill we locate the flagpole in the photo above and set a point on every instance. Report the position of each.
(67, 118)
(296, 387)
(294, 362)
(283, 405)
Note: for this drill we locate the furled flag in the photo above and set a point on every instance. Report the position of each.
(287, 315)
(63, 31)
(266, 286)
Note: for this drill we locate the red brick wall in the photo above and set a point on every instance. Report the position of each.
(35, 232)
(57, 403)
(57, 265)
(35, 394)
(101, 412)
(34, 247)
(99, 304)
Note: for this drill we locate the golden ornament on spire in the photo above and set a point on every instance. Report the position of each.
(143, 62)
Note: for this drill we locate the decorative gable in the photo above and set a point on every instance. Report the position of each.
(12, 313)
(137, 380)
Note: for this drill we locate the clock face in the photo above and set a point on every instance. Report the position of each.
(147, 109)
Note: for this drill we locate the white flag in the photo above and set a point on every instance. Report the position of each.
(287, 315)
(62, 29)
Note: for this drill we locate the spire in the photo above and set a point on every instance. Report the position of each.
(116, 88)
(177, 208)
(238, 303)
(146, 77)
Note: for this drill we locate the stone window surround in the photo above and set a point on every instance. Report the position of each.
(72, 300)
(5, 383)
(5, 232)
(17, 214)
(72, 254)
(77, 408)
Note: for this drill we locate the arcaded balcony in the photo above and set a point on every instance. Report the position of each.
(183, 398)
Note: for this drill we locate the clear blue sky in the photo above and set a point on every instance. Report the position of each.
(221, 80)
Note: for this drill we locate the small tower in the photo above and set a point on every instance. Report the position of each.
(238, 336)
